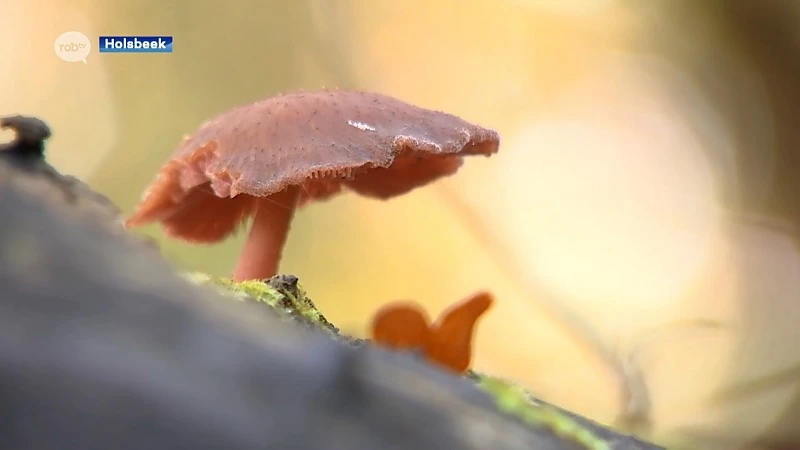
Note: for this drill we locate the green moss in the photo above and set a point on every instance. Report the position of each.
(281, 293)
(515, 400)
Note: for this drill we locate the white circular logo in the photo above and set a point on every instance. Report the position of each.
(72, 46)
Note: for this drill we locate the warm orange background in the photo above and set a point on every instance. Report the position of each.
(598, 225)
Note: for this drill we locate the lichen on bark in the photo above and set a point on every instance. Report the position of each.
(282, 293)
(514, 399)
(285, 296)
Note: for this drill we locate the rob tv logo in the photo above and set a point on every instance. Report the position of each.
(72, 46)
(135, 44)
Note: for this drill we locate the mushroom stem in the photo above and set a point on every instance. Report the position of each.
(262, 251)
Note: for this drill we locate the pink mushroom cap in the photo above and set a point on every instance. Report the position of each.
(267, 158)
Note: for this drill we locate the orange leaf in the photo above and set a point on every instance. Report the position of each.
(450, 343)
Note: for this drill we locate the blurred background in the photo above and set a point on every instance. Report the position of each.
(637, 226)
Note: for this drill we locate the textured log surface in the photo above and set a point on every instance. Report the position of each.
(103, 345)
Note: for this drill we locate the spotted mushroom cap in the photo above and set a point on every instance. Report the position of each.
(320, 141)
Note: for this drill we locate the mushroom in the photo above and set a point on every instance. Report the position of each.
(451, 339)
(401, 326)
(266, 159)
(447, 343)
